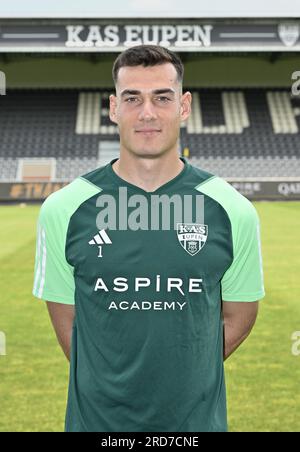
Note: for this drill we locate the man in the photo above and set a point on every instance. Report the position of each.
(146, 262)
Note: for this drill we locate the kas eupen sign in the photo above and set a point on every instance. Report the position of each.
(179, 37)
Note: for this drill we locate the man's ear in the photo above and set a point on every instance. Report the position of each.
(112, 108)
(186, 105)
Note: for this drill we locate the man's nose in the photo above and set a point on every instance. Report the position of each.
(147, 111)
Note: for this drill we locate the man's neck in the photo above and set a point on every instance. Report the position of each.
(148, 174)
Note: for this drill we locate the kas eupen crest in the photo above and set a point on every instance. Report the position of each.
(192, 236)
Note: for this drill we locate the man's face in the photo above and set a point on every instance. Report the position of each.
(148, 109)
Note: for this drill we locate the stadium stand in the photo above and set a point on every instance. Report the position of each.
(231, 132)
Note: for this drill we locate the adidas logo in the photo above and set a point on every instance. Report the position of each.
(100, 239)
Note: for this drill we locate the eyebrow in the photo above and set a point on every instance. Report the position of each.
(155, 91)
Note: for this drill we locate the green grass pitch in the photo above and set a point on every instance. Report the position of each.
(262, 377)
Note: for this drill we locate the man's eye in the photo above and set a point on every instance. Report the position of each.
(130, 99)
(163, 98)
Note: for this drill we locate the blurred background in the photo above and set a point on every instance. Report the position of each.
(242, 66)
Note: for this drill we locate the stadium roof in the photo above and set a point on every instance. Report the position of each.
(150, 8)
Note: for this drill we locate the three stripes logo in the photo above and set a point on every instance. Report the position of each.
(101, 238)
(41, 260)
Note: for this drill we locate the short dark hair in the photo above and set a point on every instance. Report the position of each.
(147, 55)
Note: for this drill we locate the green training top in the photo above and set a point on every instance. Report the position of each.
(147, 272)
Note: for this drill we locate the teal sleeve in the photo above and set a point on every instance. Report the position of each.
(243, 281)
(53, 276)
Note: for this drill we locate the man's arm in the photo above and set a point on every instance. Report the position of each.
(62, 317)
(239, 318)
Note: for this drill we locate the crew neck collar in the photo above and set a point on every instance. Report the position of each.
(124, 183)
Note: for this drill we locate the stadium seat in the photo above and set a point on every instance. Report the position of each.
(232, 132)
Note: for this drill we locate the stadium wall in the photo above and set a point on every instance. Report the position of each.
(255, 190)
(201, 70)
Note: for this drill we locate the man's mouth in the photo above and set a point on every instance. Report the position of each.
(148, 131)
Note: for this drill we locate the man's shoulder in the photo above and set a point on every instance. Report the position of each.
(96, 176)
(199, 174)
(67, 199)
(235, 204)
